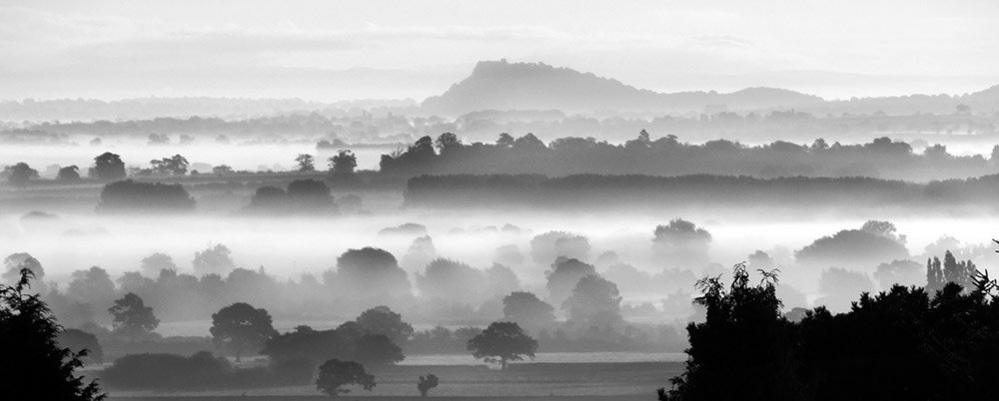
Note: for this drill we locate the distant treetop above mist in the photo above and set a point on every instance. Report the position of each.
(667, 155)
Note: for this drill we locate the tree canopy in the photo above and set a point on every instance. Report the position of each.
(241, 327)
(35, 367)
(132, 318)
(902, 344)
(334, 374)
(502, 342)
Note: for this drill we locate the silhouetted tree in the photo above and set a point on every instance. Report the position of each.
(368, 274)
(153, 264)
(158, 139)
(960, 273)
(382, 320)
(241, 327)
(376, 350)
(306, 344)
(217, 260)
(68, 173)
(952, 271)
(426, 383)
(155, 371)
(682, 242)
(128, 195)
(502, 342)
(174, 165)
(934, 275)
(525, 309)
(343, 163)
(334, 374)
(595, 302)
(447, 141)
(404, 229)
(500, 281)
(741, 344)
(305, 163)
(108, 166)
(448, 279)
(309, 194)
(563, 276)
(19, 174)
(874, 242)
(505, 140)
(554, 244)
(92, 286)
(132, 318)
(268, 197)
(34, 367)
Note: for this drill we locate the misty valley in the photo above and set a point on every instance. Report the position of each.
(204, 201)
(399, 266)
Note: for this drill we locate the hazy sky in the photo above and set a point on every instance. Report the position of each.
(328, 50)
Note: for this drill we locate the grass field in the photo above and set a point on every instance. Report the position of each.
(522, 382)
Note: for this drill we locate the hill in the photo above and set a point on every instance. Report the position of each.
(505, 86)
(500, 85)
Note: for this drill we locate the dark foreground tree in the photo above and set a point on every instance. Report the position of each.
(900, 344)
(426, 383)
(502, 342)
(15, 263)
(241, 327)
(34, 367)
(739, 351)
(334, 374)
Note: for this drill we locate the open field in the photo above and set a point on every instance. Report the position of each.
(579, 381)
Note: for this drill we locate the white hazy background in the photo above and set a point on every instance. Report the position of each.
(322, 50)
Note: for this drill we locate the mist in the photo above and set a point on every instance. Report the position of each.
(501, 200)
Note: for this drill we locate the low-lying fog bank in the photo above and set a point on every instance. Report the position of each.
(622, 247)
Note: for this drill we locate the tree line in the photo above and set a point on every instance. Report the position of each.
(588, 190)
(667, 155)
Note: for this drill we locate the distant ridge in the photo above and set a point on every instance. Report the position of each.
(501, 85)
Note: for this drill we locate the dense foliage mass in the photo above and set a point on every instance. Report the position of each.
(133, 196)
(462, 190)
(34, 366)
(334, 374)
(501, 343)
(668, 156)
(903, 344)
